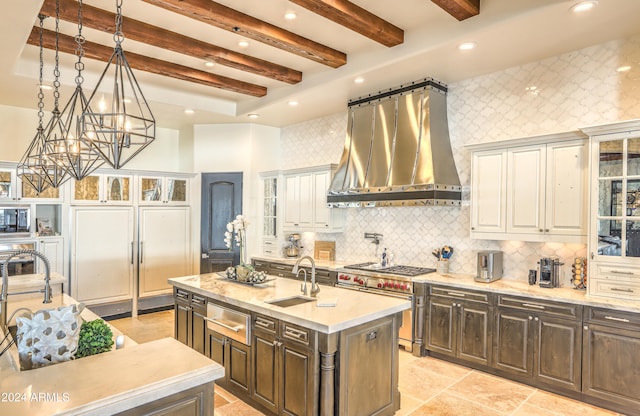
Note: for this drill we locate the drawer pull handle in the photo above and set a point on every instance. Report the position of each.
(456, 294)
(621, 272)
(533, 305)
(232, 328)
(296, 334)
(263, 323)
(618, 289)
(613, 318)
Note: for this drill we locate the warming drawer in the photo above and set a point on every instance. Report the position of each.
(232, 324)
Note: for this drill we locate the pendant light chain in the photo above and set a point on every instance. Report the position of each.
(80, 39)
(118, 36)
(56, 68)
(40, 93)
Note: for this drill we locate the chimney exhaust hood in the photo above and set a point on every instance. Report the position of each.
(397, 151)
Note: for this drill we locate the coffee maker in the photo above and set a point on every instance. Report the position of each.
(489, 266)
(549, 272)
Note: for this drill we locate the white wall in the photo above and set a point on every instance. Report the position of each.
(574, 90)
(246, 148)
(17, 129)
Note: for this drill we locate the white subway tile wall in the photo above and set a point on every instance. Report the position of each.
(572, 90)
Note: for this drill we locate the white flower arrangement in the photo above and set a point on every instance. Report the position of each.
(238, 227)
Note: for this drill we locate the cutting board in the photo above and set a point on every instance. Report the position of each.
(324, 250)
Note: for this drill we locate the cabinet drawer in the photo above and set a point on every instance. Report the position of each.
(628, 320)
(182, 294)
(536, 305)
(298, 334)
(265, 324)
(260, 265)
(618, 272)
(459, 294)
(614, 288)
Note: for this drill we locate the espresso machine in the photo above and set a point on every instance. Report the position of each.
(549, 272)
(489, 266)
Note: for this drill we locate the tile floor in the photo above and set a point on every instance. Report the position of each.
(428, 386)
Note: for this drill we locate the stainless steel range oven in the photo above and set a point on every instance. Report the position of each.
(392, 281)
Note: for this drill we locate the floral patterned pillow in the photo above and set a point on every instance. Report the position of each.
(48, 336)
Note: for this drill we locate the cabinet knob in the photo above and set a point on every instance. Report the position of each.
(586, 328)
(473, 228)
(546, 230)
(453, 304)
(530, 317)
(540, 230)
(536, 319)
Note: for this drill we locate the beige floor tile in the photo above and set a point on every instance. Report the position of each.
(225, 394)
(237, 408)
(529, 410)
(147, 327)
(407, 405)
(441, 367)
(219, 401)
(491, 391)
(407, 357)
(420, 383)
(445, 404)
(565, 406)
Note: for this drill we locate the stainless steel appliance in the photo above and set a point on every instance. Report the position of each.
(233, 324)
(389, 281)
(21, 264)
(292, 249)
(549, 272)
(15, 221)
(489, 266)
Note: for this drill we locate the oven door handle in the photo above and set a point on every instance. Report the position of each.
(377, 292)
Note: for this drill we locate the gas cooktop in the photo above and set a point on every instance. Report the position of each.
(398, 270)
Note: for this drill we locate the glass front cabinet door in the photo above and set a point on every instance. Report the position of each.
(163, 190)
(103, 189)
(614, 242)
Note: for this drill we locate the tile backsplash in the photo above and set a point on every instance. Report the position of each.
(572, 90)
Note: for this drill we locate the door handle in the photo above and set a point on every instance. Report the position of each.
(132, 252)
(204, 255)
(141, 251)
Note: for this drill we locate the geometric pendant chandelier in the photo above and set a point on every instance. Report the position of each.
(72, 150)
(123, 124)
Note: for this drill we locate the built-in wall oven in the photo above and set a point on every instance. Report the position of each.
(15, 221)
(392, 281)
(21, 264)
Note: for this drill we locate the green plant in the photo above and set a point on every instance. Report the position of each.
(95, 337)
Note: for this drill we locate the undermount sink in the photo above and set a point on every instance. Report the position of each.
(290, 301)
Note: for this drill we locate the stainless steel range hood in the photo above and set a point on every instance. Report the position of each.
(397, 151)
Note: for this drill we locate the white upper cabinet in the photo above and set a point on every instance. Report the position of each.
(12, 189)
(103, 189)
(305, 201)
(531, 189)
(163, 190)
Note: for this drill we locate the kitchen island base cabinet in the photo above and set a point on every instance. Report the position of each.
(197, 401)
(234, 356)
(190, 325)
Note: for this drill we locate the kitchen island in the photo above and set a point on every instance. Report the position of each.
(302, 359)
(162, 375)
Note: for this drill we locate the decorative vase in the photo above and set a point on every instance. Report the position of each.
(242, 272)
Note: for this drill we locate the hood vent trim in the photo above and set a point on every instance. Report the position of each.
(397, 150)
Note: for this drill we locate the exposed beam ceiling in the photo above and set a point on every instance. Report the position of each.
(460, 9)
(67, 44)
(357, 19)
(221, 16)
(102, 20)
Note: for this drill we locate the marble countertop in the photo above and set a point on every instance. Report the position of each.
(351, 308)
(517, 288)
(106, 383)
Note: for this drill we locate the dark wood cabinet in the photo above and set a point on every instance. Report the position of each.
(611, 358)
(284, 363)
(459, 324)
(323, 276)
(235, 357)
(190, 325)
(539, 340)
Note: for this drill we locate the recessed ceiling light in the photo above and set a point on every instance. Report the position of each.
(243, 44)
(293, 103)
(253, 115)
(189, 111)
(623, 68)
(467, 46)
(209, 64)
(290, 15)
(584, 6)
(358, 80)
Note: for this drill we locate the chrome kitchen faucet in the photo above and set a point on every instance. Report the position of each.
(314, 286)
(4, 271)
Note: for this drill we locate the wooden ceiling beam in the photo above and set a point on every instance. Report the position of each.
(356, 18)
(67, 44)
(102, 20)
(460, 9)
(223, 17)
